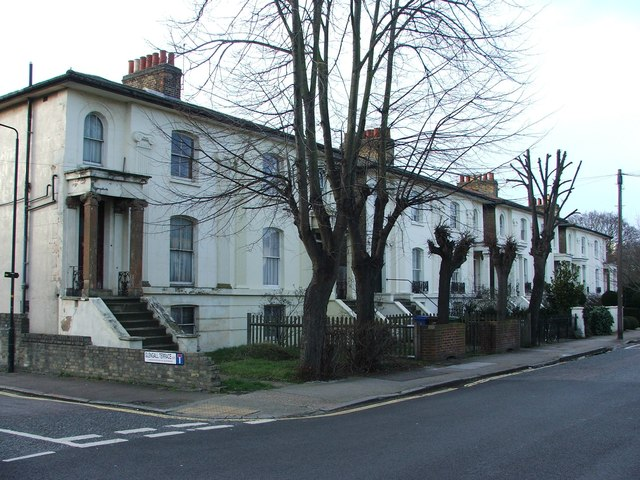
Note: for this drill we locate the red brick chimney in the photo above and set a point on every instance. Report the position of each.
(370, 146)
(155, 72)
(485, 184)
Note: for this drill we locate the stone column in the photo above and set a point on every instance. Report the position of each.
(135, 246)
(90, 251)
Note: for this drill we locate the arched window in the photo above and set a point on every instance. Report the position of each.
(476, 222)
(454, 215)
(270, 170)
(271, 257)
(596, 248)
(583, 245)
(181, 155)
(501, 225)
(523, 229)
(93, 139)
(181, 251)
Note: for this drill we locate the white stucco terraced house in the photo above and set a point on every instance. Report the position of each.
(103, 158)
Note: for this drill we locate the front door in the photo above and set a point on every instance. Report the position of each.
(99, 251)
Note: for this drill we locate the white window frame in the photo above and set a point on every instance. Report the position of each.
(93, 139)
(181, 251)
(454, 215)
(271, 257)
(417, 264)
(182, 154)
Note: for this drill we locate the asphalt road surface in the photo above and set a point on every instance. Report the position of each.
(577, 420)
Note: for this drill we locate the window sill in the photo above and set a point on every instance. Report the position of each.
(192, 182)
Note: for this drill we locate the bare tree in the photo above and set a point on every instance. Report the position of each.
(503, 257)
(607, 223)
(548, 187)
(443, 76)
(452, 253)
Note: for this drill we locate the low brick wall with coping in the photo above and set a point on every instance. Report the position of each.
(439, 342)
(498, 336)
(76, 356)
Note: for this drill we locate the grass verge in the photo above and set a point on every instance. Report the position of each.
(248, 368)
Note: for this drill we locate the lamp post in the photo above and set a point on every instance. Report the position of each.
(13, 274)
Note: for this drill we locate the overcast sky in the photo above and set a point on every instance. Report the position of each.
(587, 74)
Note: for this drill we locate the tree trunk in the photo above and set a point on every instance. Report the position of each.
(444, 290)
(313, 362)
(366, 350)
(537, 290)
(501, 301)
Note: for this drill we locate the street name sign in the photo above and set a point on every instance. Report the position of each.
(168, 358)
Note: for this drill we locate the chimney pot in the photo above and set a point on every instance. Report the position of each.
(491, 176)
(376, 132)
(163, 56)
(461, 179)
(149, 60)
(131, 66)
(171, 58)
(156, 58)
(143, 63)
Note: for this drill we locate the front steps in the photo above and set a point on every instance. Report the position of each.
(133, 315)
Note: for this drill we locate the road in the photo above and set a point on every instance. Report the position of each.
(577, 420)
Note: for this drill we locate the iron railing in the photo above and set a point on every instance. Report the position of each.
(419, 286)
(75, 289)
(124, 280)
(287, 331)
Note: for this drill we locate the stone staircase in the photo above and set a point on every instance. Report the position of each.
(133, 315)
(409, 305)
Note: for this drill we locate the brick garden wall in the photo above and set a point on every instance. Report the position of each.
(439, 342)
(75, 356)
(507, 335)
(497, 336)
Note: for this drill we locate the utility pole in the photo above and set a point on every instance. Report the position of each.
(619, 258)
(11, 347)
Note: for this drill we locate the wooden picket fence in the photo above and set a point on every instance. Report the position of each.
(286, 331)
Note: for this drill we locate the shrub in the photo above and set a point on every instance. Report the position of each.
(600, 321)
(635, 300)
(630, 323)
(345, 354)
(609, 298)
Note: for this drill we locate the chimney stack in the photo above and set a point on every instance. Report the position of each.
(155, 72)
(370, 145)
(485, 184)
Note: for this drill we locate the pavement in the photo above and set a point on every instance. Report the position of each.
(311, 398)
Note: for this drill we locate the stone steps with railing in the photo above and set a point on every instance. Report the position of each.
(138, 321)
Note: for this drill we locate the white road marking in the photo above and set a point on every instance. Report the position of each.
(163, 434)
(15, 459)
(187, 425)
(632, 346)
(64, 441)
(258, 422)
(213, 427)
(101, 442)
(135, 430)
(79, 437)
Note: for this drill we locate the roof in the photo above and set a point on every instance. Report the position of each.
(92, 81)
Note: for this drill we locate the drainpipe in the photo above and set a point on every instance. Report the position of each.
(23, 302)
